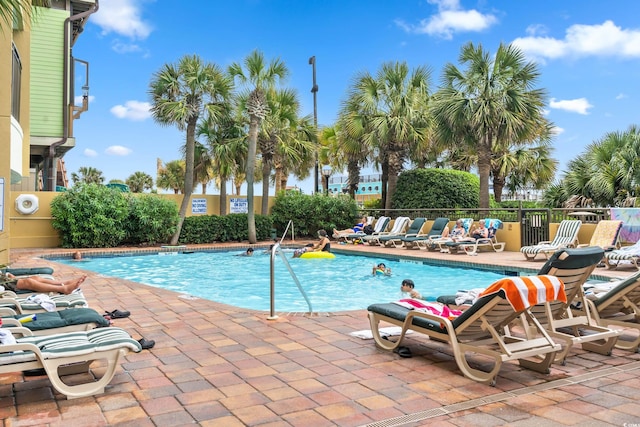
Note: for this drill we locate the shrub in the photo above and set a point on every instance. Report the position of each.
(436, 188)
(215, 228)
(152, 219)
(90, 216)
(312, 213)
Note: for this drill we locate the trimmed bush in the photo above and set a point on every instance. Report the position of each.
(152, 219)
(90, 216)
(215, 228)
(312, 213)
(436, 188)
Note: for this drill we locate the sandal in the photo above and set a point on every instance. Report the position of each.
(117, 314)
(146, 344)
(403, 351)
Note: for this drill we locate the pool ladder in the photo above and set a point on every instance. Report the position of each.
(277, 250)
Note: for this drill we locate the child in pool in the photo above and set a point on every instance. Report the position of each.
(381, 269)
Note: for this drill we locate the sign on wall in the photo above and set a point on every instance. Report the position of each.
(198, 206)
(238, 206)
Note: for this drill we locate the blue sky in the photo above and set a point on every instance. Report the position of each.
(588, 52)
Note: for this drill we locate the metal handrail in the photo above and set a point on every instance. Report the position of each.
(275, 249)
(293, 237)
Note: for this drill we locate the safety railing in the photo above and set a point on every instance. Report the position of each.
(277, 250)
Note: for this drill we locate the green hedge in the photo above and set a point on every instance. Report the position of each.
(436, 188)
(215, 228)
(312, 213)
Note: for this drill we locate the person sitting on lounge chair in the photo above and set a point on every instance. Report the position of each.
(458, 231)
(480, 232)
(38, 284)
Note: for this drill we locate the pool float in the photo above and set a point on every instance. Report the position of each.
(321, 254)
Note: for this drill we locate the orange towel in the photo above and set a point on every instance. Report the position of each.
(523, 292)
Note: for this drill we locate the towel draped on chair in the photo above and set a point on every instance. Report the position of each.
(526, 291)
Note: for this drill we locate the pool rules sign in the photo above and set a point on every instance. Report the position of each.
(238, 205)
(198, 206)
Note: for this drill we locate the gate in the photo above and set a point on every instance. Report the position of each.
(534, 226)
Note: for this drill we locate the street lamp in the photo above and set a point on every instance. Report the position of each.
(326, 172)
(314, 90)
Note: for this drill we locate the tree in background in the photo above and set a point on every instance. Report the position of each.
(261, 78)
(138, 182)
(87, 175)
(489, 103)
(19, 10)
(388, 112)
(171, 176)
(183, 94)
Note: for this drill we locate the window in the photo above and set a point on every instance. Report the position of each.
(16, 82)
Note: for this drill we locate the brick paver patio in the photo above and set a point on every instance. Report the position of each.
(216, 365)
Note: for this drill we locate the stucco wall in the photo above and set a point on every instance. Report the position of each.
(35, 230)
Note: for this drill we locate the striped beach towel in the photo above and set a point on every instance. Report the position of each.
(526, 291)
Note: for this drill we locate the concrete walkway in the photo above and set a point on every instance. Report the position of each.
(216, 365)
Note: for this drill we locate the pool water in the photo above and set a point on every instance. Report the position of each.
(343, 283)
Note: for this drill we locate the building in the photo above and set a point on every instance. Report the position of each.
(38, 78)
(369, 187)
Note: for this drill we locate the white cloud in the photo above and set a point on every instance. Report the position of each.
(606, 39)
(88, 152)
(132, 110)
(450, 19)
(118, 150)
(556, 130)
(621, 96)
(120, 47)
(580, 105)
(122, 17)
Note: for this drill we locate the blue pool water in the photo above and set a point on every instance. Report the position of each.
(343, 283)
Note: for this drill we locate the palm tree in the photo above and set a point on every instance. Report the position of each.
(182, 95)
(20, 9)
(392, 110)
(87, 175)
(261, 78)
(296, 155)
(171, 176)
(138, 182)
(228, 149)
(489, 102)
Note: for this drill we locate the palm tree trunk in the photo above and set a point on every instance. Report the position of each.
(498, 185)
(266, 171)
(251, 167)
(188, 176)
(223, 196)
(484, 169)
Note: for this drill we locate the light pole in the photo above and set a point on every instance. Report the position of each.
(314, 90)
(326, 172)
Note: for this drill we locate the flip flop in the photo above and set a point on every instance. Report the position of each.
(117, 314)
(403, 351)
(146, 344)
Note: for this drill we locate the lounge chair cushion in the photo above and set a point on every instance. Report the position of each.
(62, 318)
(79, 343)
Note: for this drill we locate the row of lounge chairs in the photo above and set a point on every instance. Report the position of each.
(606, 235)
(64, 342)
(404, 233)
(535, 320)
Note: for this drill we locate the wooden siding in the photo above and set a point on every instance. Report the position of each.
(47, 59)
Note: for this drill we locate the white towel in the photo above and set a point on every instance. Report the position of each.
(6, 337)
(43, 300)
(391, 331)
(468, 297)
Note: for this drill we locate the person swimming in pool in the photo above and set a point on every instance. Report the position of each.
(381, 269)
(323, 245)
(408, 287)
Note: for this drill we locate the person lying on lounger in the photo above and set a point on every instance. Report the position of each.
(38, 284)
(347, 231)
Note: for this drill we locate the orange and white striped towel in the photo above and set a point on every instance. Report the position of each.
(526, 291)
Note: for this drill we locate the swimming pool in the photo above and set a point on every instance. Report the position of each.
(343, 283)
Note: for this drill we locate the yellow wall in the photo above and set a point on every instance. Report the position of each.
(35, 230)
